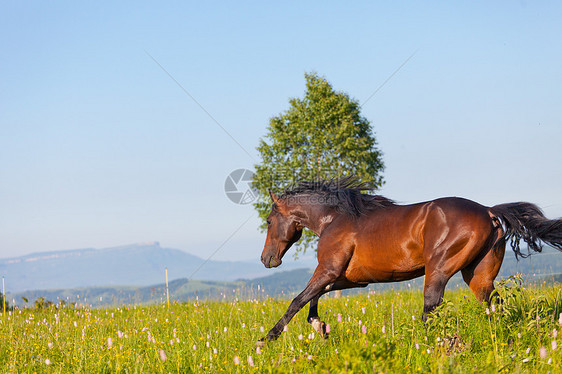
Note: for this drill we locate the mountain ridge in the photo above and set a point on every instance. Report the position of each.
(285, 283)
(140, 264)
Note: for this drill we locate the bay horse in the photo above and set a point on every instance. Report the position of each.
(366, 238)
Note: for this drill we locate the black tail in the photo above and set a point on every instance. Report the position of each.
(526, 221)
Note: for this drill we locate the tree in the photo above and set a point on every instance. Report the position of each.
(321, 136)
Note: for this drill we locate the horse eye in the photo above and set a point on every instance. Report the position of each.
(268, 222)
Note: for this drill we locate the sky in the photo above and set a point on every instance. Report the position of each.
(120, 121)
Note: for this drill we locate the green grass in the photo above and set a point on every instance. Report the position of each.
(220, 336)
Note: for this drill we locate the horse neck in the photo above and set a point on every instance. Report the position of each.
(313, 216)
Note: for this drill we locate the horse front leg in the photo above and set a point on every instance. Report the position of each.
(313, 318)
(320, 279)
(318, 325)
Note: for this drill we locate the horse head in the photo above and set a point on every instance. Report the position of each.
(283, 230)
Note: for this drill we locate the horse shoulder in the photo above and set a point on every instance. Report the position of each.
(337, 243)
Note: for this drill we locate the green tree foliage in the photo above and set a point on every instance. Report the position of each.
(8, 307)
(321, 136)
(42, 303)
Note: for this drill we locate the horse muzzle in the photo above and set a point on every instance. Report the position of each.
(271, 261)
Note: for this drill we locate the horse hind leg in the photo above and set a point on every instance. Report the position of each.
(433, 291)
(481, 272)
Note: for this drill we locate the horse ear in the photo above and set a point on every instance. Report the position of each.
(273, 196)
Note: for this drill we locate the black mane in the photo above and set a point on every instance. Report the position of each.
(344, 194)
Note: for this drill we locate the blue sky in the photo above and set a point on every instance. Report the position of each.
(99, 147)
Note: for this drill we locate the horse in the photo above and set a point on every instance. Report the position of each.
(367, 238)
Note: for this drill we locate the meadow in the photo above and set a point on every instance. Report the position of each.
(369, 332)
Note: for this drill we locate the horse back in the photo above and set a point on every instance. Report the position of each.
(397, 242)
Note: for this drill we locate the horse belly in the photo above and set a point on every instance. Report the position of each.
(386, 261)
(359, 272)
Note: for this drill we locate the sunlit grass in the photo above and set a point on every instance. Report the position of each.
(380, 332)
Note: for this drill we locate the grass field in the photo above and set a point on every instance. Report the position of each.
(371, 332)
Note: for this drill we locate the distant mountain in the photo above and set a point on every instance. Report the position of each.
(132, 265)
(278, 284)
(546, 266)
(546, 263)
(122, 270)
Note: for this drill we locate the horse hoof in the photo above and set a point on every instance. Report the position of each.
(323, 331)
(319, 327)
(263, 341)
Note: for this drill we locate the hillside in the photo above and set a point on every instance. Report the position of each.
(135, 275)
(282, 283)
(132, 265)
